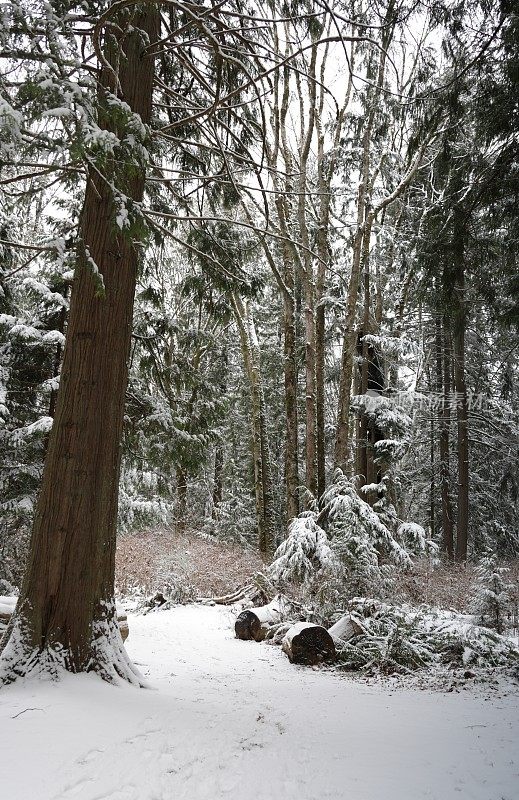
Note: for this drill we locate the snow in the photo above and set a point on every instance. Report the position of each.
(7, 604)
(40, 426)
(57, 112)
(233, 719)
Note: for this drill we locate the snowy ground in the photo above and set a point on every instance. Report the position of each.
(232, 719)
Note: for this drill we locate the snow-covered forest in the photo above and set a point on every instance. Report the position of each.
(259, 311)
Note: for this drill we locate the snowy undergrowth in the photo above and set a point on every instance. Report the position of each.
(402, 639)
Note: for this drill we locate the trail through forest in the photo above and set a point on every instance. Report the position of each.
(233, 719)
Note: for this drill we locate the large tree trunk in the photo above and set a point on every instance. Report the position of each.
(265, 512)
(66, 616)
(444, 387)
(458, 340)
(365, 218)
(290, 375)
(181, 509)
(324, 186)
(217, 480)
(310, 383)
(363, 349)
(308, 282)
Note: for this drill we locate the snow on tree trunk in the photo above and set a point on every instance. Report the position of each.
(66, 616)
(8, 607)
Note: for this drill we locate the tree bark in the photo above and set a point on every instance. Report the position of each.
(308, 282)
(265, 513)
(444, 385)
(181, 510)
(364, 222)
(291, 416)
(218, 480)
(458, 340)
(66, 617)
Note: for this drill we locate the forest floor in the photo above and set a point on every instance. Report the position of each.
(233, 719)
(188, 566)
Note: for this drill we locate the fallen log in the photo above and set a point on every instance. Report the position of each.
(306, 643)
(345, 628)
(8, 605)
(255, 622)
(233, 597)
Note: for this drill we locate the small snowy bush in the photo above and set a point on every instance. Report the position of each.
(305, 552)
(492, 602)
(414, 538)
(342, 551)
(362, 543)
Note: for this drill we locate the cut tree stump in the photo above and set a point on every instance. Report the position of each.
(255, 622)
(8, 604)
(306, 643)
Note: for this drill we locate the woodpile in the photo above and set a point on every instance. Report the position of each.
(8, 604)
(302, 642)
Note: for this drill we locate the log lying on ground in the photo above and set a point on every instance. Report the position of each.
(345, 628)
(306, 643)
(8, 604)
(255, 622)
(239, 594)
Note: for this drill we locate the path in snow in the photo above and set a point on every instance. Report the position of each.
(233, 719)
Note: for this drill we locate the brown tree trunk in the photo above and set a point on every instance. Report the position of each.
(265, 512)
(366, 214)
(458, 340)
(444, 387)
(342, 439)
(324, 186)
(320, 325)
(363, 424)
(308, 282)
(310, 384)
(181, 510)
(290, 375)
(66, 612)
(218, 480)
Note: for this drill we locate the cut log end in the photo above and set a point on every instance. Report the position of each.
(247, 626)
(308, 644)
(255, 622)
